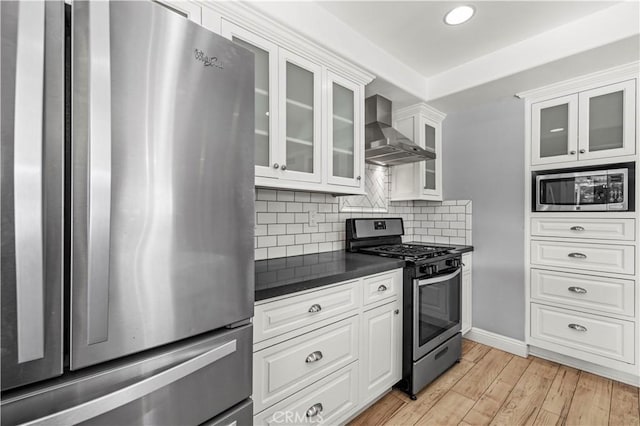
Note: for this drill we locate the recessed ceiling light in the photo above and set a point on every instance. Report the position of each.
(459, 15)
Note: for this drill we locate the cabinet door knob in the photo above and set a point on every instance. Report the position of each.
(397, 311)
(315, 308)
(578, 290)
(582, 151)
(577, 255)
(314, 410)
(283, 167)
(276, 165)
(382, 288)
(578, 327)
(572, 152)
(313, 357)
(577, 228)
(359, 178)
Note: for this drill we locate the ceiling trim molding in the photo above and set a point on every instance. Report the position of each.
(248, 17)
(584, 82)
(614, 23)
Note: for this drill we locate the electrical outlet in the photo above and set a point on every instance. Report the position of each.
(313, 218)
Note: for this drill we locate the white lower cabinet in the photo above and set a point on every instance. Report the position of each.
(329, 401)
(380, 350)
(325, 371)
(582, 335)
(467, 313)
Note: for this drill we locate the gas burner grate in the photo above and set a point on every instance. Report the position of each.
(413, 251)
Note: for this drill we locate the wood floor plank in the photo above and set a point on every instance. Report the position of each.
(525, 400)
(449, 410)
(547, 418)
(429, 396)
(467, 345)
(624, 405)
(561, 392)
(591, 401)
(490, 402)
(380, 412)
(480, 377)
(476, 353)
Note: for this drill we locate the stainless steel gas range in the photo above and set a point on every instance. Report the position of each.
(431, 298)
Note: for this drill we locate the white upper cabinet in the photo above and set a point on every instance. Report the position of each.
(309, 128)
(421, 180)
(592, 124)
(189, 10)
(266, 99)
(299, 116)
(344, 135)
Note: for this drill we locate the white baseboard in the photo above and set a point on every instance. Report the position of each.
(589, 367)
(498, 341)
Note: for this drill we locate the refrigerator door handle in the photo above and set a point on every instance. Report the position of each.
(28, 194)
(99, 173)
(96, 407)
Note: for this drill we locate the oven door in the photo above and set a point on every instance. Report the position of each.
(436, 311)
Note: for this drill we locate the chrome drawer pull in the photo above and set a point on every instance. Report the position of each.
(314, 410)
(577, 255)
(578, 327)
(577, 228)
(578, 290)
(315, 308)
(382, 287)
(313, 357)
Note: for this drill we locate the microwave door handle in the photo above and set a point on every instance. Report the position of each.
(440, 279)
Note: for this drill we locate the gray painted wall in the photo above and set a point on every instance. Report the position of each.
(483, 161)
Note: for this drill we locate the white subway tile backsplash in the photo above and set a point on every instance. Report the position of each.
(282, 222)
(277, 230)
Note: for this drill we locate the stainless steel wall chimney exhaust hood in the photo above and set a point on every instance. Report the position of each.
(383, 144)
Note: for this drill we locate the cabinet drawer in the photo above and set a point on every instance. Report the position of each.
(603, 229)
(584, 291)
(275, 318)
(381, 287)
(582, 333)
(589, 257)
(282, 369)
(332, 400)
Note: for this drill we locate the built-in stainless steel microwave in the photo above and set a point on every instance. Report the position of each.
(608, 188)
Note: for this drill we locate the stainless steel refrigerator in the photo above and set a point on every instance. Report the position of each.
(127, 217)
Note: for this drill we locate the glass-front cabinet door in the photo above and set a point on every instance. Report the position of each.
(432, 174)
(300, 118)
(343, 132)
(554, 130)
(607, 121)
(266, 100)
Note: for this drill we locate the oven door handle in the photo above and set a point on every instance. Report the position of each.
(436, 280)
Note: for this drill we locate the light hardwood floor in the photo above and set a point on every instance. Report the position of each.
(493, 387)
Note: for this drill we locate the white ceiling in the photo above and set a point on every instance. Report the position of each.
(415, 33)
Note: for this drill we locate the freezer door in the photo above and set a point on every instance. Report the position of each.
(162, 180)
(183, 384)
(32, 190)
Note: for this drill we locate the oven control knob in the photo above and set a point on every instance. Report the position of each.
(455, 263)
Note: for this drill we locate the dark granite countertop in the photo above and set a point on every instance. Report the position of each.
(285, 275)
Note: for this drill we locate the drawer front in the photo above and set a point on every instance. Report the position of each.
(606, 337)
(607, 295)
(602, 229)
(589, 257)
(381, 287)
(275, 318)
(285, 368)
(330, 401)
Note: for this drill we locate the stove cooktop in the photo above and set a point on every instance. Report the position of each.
(411, 252)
